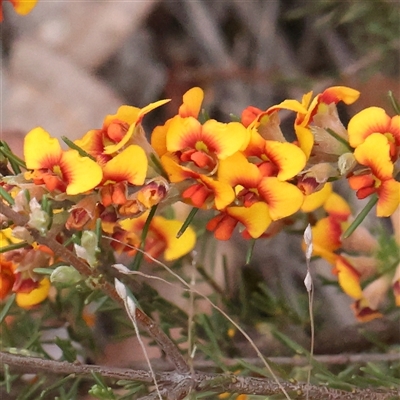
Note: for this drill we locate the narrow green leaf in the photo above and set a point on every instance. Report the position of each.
(394, 102)
(6, 196)
(139, 255)
(73, 146)
(361, 216)
(7, 377)
(250, 250)
(339, 139)
(187, 222)
(43, 271)
(7, 307)
(160, 169)
(56, 385)
(13, 246)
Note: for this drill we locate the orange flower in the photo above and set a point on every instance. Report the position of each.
(119, 130)
(161, 237)
(65, 171)
(21, 7)
(375, 120)
(374, 153)
(255, 220)
(7, 277)
(191, 105)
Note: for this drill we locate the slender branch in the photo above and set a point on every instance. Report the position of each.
(99, 282)
(201, 381)
(296, 361)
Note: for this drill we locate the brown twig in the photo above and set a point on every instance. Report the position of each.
(201, 381)
(98, 281)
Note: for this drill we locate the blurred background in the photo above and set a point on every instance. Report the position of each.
(66, 65)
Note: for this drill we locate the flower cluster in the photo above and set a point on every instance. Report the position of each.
(112, 181)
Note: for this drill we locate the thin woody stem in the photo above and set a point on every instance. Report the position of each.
(201, 381)
(99, 282)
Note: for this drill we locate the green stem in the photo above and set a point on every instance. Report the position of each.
(361, 216)
(73, 146)
(158, 166)
(6, 196)
(13, 246)
(249, 253)
(394, 102)
(339, 139)
(187, 222)
(139, 254)
(15, 161)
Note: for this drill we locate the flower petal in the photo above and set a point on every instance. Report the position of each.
(131, 131)
(81, 173)
(283, 198)
(389, 198)
(130, 165)
(92, 143)
(316, 199)
(371, 120)
(223, 192)
(255, 218)
(23, 7)
(289, 158)
(168, 229)
(36, 296)
(236, 170)
(337, 207)
(192, 101)
(326, 238)
(335, 94)
(124, 113)
(41, 150)
(374, 152)
(349, 278)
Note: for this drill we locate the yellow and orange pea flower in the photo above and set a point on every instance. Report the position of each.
(119, 131)
(376, 138)
(378, 176)
(21, 7)
(64, 171)
(310, 111)
(161, 237)
(16, 276)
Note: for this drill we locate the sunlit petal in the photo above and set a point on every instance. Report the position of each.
(23, 7)
(168, 229)
(349, 278)
(389, 198)
(372, 120)
(305, 138)
(335, 94)
(256, 218)
(236, 170)
(124, 113)
(41, 150)
(118, 146)
(326, 238)
(283, 198)
(130, 165)
(36, 296)
(316, 199)
(337, 206)
(374, 152)
(192, 101)
(223, 192)
(92, 143)
(80, 173)
(289, 158)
